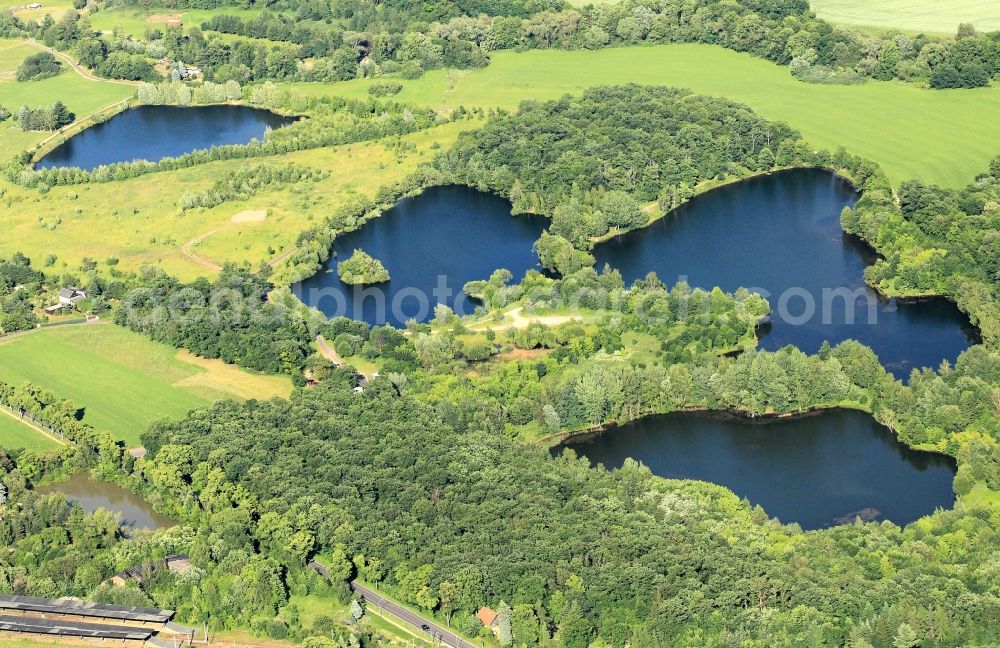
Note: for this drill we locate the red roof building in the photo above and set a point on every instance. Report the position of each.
(487, 616)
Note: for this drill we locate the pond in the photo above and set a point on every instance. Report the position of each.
(432, 245)
(155, 132)
(780, 235)
(91, 495)
(818, 470)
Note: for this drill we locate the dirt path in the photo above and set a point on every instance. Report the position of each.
(69, 127)
(281, 257)
(79, 69)
(40, 430)
(186, 249)
(514, 319)
(328, 351)
(86, 74)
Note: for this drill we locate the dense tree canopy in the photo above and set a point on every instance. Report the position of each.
(585, 553)
(592, 161)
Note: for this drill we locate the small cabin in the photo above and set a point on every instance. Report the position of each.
(71, 295)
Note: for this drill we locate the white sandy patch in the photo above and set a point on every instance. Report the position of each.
(249, 216)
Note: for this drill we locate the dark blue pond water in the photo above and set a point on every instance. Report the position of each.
(155, 132)
(817, 470)
(432, 245)
(781, 235)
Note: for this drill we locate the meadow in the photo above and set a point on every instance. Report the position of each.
(929, 16)
(54, 8)
(137, 21)
(124, 381)
(81, 95)
(17, 435)
(942, 137)
(137, 222)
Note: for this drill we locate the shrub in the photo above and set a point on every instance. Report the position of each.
(385, 88)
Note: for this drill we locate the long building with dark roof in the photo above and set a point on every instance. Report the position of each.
(57, 628)
(75, 607)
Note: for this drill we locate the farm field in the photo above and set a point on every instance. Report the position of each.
(81, 95)
(943, 137)
(148, 229)
(17, 435)
(54, 8)
(929, 16)
(123, 380)
(136, 22)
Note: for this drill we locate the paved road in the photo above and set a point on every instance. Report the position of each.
(445, 637)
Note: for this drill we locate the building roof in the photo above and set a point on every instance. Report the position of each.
(76, 607)
(59, 628)
(70, 291)
(487, 616)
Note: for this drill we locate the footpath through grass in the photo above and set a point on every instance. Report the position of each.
(137, 222)
(123, 380)
(81, 95)
(929, 16)
(939, 136)
(15, 434)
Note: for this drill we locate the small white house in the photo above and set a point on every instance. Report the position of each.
(70, 296)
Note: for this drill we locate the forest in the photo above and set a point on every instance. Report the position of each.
(420, 462)
(936, 241)
(231, 318)
(593, 162)
(459, 517)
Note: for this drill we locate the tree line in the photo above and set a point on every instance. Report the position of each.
(20, 284)
(351, 39)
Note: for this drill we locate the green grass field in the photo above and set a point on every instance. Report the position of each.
(123, 380)
(155, 233)
(930, 16)
(17, 435)
(82, 96)
(137, 21)
(54, 8)
(943, 137)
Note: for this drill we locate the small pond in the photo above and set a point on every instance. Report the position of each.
(817, 470)
(432, 245)
(91, 495)
(155, 132)
(780, 235)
